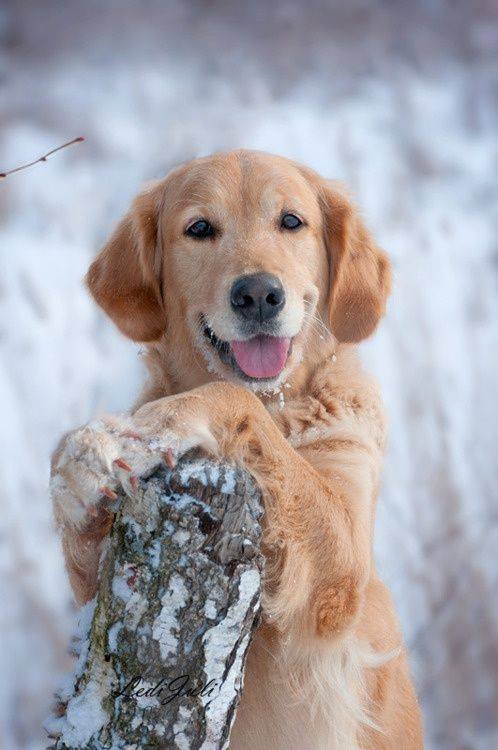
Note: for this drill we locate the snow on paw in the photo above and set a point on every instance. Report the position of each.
(92, 463)
(174, 425)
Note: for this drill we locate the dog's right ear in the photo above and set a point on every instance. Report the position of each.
(125, 278)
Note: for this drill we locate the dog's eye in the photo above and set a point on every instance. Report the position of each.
(200, 229)
(290, 221)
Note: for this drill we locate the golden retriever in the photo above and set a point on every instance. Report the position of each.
(250, 279)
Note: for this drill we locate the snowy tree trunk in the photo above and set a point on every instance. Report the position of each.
(163, 645)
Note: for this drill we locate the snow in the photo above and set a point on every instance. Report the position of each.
(219, 642)
(210, 609)
(398, 100)
(181, 536)
(120, 587)
(155, 552)
(228, 485)
(167, 623)
(181, 738)
(84, 716)
(194, 471)
(112, 636)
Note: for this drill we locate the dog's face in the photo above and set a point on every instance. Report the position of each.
(243, 252)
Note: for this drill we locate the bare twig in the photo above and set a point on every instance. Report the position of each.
(42, 158)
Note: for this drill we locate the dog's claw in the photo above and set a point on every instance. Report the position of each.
(134, 482)
(169, 458)
(122, 464)
(108, 493)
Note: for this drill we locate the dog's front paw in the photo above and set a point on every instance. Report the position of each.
(90, 465)
(175, 424)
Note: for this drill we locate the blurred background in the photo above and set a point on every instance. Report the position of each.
(399, 100)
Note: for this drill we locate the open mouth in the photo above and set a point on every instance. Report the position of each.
(261, 357)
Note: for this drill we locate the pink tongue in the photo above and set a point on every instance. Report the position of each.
(262, 356)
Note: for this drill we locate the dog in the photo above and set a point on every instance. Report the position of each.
(249, 279)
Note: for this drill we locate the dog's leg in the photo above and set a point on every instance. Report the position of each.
(87, 467)
(317, 529)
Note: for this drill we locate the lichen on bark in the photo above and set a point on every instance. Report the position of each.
(162, 652)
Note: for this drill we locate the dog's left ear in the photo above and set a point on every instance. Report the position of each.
(360, 272)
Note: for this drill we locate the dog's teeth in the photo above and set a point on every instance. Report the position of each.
(208, 333)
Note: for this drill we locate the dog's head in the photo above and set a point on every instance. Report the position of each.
(244, 253)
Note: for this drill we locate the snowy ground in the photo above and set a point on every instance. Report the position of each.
(398, 99)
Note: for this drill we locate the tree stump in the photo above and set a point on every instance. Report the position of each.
(162, 647)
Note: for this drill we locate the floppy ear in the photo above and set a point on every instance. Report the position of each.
(360, 273)
(124, 279)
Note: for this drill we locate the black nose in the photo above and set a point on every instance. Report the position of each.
(257, 296)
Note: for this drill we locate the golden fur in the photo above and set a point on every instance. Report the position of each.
(327, 668)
